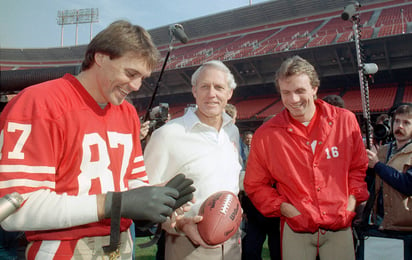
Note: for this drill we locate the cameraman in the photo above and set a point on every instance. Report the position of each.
(392, 214)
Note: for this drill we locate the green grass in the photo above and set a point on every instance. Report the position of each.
(149, 253)
(265, 251)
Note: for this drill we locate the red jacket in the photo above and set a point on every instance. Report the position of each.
(317, 183)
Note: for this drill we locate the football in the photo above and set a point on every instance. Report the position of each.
(222, 215)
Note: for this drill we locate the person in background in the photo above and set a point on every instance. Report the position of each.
(144, 127)
(245, 146)
(204, 145)
(381, 118)
(307, 166)
(71, 148)
(378, 140)
(335, 100)
(144, 130)
(392, 214)
(231, 110)
(257, 226)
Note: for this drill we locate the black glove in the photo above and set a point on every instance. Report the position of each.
(185, 188)
(150, 203)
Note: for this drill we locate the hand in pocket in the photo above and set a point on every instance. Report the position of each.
(288, 210)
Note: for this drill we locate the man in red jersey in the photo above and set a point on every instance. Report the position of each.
(71, 148)
(313, 154)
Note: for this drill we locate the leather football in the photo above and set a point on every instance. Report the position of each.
(222, 215)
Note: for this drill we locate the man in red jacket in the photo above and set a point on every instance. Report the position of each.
(313, 153)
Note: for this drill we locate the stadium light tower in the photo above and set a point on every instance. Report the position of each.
(77, 16)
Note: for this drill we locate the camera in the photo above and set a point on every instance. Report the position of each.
(159, 115)
(382, 132)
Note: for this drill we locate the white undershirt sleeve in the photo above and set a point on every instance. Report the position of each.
(44, 210)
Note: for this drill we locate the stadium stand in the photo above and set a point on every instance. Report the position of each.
(381, 98)
(395, 15)
(320, 30)
(253, 41)
(251, 107)
(272, 110)
(407, 95)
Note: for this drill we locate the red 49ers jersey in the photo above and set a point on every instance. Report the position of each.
(55, 136)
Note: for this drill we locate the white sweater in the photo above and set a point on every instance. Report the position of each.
(186, 145)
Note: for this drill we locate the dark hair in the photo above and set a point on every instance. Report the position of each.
(119, 38)
(403, 109)
(381, 118)
(247, 132)
(334, 100)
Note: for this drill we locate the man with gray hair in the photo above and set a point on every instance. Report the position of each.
(204, 145)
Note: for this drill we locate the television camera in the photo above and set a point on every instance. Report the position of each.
(158, 116)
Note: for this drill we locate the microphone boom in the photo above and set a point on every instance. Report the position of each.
(175, 32)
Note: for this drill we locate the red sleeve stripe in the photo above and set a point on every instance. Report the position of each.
(27, 169)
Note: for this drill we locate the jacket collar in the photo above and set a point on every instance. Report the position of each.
(191, 120)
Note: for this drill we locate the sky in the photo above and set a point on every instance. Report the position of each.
(33, 23)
